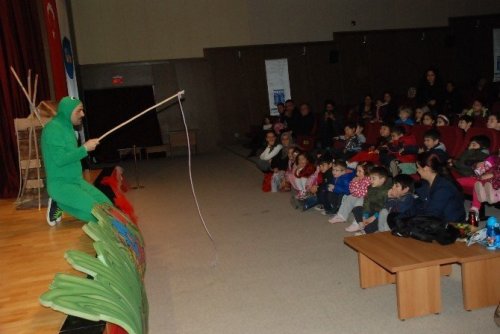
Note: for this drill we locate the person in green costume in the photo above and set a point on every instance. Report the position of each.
(61, 156)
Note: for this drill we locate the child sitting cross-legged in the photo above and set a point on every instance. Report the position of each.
(399, 200)
(337, 187)
(366, 216)
(303, 177)
(358, 187)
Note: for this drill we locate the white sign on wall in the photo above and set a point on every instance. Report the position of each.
(278, 83)
(496, 55)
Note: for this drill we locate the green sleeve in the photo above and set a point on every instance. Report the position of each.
(63, 153)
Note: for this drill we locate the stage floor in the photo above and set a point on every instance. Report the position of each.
(31, 253)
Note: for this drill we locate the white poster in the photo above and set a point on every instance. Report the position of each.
(278, 83)
(67, 48)
(496, 55)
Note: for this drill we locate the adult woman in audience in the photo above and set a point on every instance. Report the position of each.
(271, 153)
(438, 195)
(431, 91)
(367, 108)
(289, 117)
(279, 164)
(385, 111)
(306, 122)
(452, 101)
(331, 126)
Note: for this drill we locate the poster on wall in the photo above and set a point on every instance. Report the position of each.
(278, 83)
(67, 49)
(496, 55)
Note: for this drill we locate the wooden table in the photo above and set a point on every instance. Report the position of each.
(416, 267)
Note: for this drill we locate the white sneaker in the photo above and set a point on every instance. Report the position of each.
(353, 227)
(360, 232)
(336, 219)
(319, 207)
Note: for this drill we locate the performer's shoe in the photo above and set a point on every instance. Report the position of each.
(54, 213)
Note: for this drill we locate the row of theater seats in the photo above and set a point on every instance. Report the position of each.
(451, 136)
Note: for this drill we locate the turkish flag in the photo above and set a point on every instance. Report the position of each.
(55, 48)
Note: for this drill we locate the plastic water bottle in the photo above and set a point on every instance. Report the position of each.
(491, 236)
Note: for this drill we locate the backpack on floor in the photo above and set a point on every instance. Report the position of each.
(425, 228)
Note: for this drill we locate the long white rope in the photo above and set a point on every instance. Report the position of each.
(216, 257)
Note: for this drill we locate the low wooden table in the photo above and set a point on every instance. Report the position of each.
(416, 267)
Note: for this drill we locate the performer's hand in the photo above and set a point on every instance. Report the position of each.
(91, 144)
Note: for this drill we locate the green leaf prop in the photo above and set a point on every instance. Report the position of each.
(115, 292)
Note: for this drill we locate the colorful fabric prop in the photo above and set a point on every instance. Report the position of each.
(116, 291)
(117, 183)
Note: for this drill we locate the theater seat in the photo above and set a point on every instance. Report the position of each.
(490, 133)
(418, 131)
(452, 138)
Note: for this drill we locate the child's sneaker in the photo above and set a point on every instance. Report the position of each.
(360, 232)
(336, 219)
(354, 227)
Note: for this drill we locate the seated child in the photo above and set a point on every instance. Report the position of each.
(432, 144)
(465, 123)
(428, 119)
(399, 200)
(337, 187)
(493, 122)
(359, 132)
(477, 110)
(303, 176)
(358, 187)
(442, 120)
(402, 149)
(352, 144)
(419, 113)
(285, 185)
(405, 117)
(325, 178)
(366, 216)
(487, 187)
(280, 167)
(372, 154)
(477, 151)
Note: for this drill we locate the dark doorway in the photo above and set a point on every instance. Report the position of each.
(106, 108)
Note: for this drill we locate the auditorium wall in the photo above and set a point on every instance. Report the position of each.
(115, 31)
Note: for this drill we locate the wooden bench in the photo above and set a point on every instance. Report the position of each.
(416, 268)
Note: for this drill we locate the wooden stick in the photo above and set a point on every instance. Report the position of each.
(35, 88)
(29, 85)
(140, 114)
(20, 83)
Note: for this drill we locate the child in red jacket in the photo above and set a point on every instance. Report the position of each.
(402, 149)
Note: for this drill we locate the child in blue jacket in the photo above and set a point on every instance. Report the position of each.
(338, 186)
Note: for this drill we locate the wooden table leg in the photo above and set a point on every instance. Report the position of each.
(371, 274)
(418, 292)
(480, 283)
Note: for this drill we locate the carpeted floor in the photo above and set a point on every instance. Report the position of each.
(279, 270)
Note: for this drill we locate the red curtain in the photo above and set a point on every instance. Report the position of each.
(20, 47)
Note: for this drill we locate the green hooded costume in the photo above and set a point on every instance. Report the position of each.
(61, 156)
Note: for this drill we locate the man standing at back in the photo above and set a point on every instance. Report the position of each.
(61, 156)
